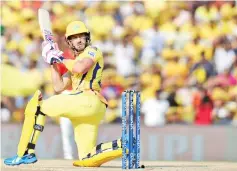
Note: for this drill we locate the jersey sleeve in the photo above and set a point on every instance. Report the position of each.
(93, 53)
(62, 68)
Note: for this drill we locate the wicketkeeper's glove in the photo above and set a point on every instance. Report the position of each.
(51, 54)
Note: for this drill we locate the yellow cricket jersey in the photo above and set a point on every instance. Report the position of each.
(92, 78)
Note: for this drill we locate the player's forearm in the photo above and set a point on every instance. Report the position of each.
(78, 66)
(57, 79)
(72, 65)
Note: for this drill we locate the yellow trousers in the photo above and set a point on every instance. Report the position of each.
(84, 109)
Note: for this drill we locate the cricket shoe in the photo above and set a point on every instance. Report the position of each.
(16, 160)
(99, 159)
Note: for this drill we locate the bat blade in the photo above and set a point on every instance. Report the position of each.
(45, 25)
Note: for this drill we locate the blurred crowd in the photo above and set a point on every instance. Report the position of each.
(182, 56)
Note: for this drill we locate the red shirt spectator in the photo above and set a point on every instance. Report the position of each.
(203, 108)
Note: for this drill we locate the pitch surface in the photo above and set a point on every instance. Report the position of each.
(66, 165)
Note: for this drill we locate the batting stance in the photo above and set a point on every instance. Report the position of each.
(85, 106)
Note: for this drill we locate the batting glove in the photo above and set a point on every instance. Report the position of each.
(51, 54)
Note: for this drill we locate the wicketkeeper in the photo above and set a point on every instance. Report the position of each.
(85, 106)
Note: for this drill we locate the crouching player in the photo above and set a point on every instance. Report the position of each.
(85, 106)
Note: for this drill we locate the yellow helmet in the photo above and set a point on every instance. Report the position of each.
(76, 27)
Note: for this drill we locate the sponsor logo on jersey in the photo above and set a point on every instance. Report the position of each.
(91, 54)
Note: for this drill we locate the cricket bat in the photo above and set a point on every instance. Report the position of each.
(45, 25)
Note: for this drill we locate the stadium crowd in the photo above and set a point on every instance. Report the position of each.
(182, 56)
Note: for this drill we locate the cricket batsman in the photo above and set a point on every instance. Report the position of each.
(84, 106)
